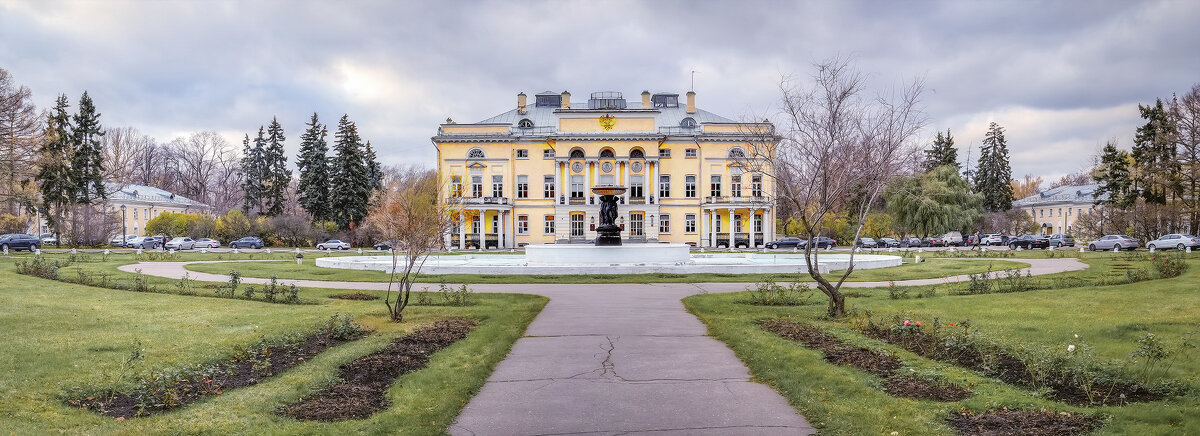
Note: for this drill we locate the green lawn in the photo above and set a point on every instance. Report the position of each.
(59, 335)
(932, 268)
(841, 400)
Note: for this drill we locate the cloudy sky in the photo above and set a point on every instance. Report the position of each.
(1062, 77)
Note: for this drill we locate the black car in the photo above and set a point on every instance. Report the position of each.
(1029, 242)
(909, 242)
(887, 243)
(247, 242)
(821, 242)
(19, 241)
(786, 242)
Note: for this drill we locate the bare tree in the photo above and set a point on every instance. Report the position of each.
(1186, 113)
(1082, 177)
(835, 152)
(20, 134)
(123, 146)
(408, 212)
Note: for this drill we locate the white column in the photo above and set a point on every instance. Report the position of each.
(712, 228)
(502, 233)
(731, 243)
(654, 184)
(587, 182)
(462, 230)
(558, 181)
(753, 214)
(624, 181)
(479, 231)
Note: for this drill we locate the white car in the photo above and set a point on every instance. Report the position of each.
(121, 240)
(181, 243)
(333, 244)
(991, 239)
(207, 243)
(1177, 241)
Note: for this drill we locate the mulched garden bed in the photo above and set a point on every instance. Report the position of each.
(365, 381)
(1012, 370)
(354, 296)
(874, 362)
(1006, 422)
(245, 370)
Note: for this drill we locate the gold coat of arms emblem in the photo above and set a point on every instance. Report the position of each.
(607, 122)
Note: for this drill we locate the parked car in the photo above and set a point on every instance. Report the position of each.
(887, 243)
(866, 243)
(19, 241)
(333, 244)
(48, 239)
(144, 242)
(1029, 242)
(952, 238)
(932, 241)
(991, 239)
(385, 245)
(1113, 242)
(121, 240)
(1177, 241)
(790, 241)
(821, 242)
(247, 242)
(1061, 240)
(207, 243)
(910, 242)
(181, 243)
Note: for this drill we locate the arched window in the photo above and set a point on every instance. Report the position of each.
(606, 153)
(688, 123)
(737, 153)
(576, 154)
(475, 153)
(525, 123)
(637, 154)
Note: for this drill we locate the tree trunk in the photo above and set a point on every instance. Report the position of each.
(837, 305)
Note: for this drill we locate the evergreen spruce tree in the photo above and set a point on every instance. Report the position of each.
(54, 176)
(351, 187)
(313, 163)
(87, 161)
(1158, 174)
(252, 170)
(276, 175)
(942, 152)
(374, 168)
(993, 174)
(1114, 177)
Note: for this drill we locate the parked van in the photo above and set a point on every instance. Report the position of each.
(952, 239)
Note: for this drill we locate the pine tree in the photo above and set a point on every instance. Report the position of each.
(993, 175)
(87, 161)
(54, 173)
(351, 187)
(313, 163)
(374, 168)
(942, 152)
(276, 175)
(1114, 177)
(252, 169)
(1157, 174)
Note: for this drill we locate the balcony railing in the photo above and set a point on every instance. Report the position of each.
(731, 200)
(479, 200)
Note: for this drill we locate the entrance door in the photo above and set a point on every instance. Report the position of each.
(576, 226)
(637, 228)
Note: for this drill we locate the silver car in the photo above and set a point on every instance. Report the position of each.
(1177, 241)
(1112, 242)
(181, 243)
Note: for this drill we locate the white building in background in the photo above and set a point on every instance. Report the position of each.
(1055, 210)
(142, 203)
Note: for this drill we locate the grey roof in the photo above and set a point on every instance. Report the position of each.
(148, 194)
(1061, 194)
(547, 117)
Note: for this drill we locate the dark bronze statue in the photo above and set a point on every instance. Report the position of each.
(609, 232)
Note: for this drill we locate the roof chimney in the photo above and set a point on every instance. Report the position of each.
(566, 100)
(691, 102)
(645, 99)
(521, 103)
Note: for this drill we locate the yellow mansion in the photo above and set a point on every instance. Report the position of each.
(525, 176)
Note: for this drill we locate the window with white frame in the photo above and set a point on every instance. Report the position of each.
(548, 187)
(735, 185)
(758, 223)
(714, 188)
(717, 223)
(548, 153)
(497, 186)
(690, 153)
(689, 186)
(475, 153)
(576, 186)
(636, 187)
(522, 224)
(756, 186)
(664, 223)
(522, 153)
(522, 186)
(737, 223)
(664, 186)
(664, 153)
(548, 225)
(456, 186)
(689, 223)
(476, 186)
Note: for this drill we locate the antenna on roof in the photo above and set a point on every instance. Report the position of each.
(693, 87)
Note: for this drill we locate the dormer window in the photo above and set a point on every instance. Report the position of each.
(688, 123)
(525, 123)
(665, 100)
(475, 153)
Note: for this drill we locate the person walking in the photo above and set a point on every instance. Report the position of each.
(976, 240)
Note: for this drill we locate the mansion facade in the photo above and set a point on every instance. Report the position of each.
(526, 176)
(1055, 210)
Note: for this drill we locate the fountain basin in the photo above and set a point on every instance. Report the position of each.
(632, 254)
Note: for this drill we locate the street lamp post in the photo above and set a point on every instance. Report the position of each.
(124, 237)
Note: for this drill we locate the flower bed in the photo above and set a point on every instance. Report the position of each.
(1005, 422)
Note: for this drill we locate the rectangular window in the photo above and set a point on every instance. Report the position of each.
(689, 223)
(664, 223)
(522, 186)
(715, 187)
(1060, 211)
(690, 153)
(576, 186)
(522, 153)
(1068, 211)
(497, 186)
(758, 223)
(664, 186)
(476, 186)
(1041, 213)
(664, 153)
(717, 223)
(548, 153)
(548, 187)
(637, 224)
(577, 225)
(548, 226)
(607, 179)
(522, 224)
(756, 186)
(689, 186)
(735, 186)
(636, 187)
(737, 223)
(135, 214)
(456, 188)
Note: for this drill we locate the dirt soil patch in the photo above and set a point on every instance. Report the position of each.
(354, 296)
(1006, 422)
(365, 381)
(874, 362)
(245, 370)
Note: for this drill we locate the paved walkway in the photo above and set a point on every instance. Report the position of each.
(618, 359)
